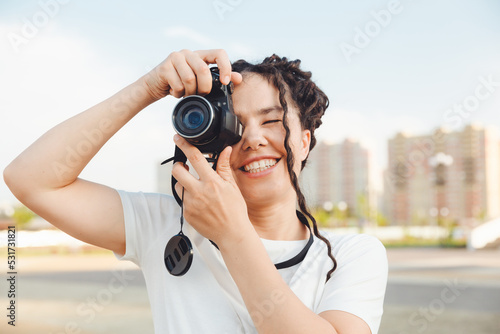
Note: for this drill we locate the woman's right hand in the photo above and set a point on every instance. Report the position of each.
(186, 73)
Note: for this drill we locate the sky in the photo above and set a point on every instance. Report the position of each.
(387, 66)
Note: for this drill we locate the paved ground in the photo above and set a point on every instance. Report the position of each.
(442, 291)
(429, 291)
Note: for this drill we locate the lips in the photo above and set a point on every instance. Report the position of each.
(260, 165)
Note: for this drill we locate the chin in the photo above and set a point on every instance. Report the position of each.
(268, 193)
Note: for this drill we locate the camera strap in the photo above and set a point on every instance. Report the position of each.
(302, 254)
(179, 156)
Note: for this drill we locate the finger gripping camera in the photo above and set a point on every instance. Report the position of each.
(208, 122)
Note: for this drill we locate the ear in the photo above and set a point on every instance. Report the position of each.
(305, 142)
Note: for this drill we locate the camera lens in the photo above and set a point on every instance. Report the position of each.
(193, 118)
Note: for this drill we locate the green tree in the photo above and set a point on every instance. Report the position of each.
(364, 210)
(322, 217)
(381, 219)
(22, 215)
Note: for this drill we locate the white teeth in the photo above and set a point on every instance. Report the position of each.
(259, 166)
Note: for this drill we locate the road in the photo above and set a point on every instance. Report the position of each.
(429, 291)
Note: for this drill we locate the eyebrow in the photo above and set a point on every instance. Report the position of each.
(268, 110)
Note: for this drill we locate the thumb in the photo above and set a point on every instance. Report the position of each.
(224, 166)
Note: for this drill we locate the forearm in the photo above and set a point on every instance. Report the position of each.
(57, 158)
(273, 306)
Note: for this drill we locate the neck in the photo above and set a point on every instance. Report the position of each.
(277, 222)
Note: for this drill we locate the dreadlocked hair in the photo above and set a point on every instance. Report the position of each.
(311, 102)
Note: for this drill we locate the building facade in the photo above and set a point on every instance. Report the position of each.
(453, 176)
(342, 174)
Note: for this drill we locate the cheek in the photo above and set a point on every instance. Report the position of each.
(278, 140)
(232, 158)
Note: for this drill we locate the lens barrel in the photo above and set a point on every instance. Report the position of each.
(195, 119)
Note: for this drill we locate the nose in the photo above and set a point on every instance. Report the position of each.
(253, 138)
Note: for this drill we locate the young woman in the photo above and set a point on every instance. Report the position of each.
(247, 207)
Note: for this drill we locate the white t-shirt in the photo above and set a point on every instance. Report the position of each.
(207, 300)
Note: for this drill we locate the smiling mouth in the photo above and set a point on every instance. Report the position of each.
(259, 166)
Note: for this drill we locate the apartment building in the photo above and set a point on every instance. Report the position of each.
(444, 175)
(341, 173)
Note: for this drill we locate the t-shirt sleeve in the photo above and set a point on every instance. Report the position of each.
(358, 284)
(147, 218)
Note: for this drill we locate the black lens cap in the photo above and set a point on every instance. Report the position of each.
(178, 255)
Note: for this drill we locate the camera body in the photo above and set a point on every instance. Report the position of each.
(208, 122)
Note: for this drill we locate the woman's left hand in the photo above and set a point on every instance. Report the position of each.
(213, 204)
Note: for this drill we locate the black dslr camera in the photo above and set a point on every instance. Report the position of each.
(208, 122)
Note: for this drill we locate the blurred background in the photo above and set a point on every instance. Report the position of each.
(409, 150)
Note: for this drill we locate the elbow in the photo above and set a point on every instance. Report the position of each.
(8, 176)
(13, 180)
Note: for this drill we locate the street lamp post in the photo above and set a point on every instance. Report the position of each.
(440, 163)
